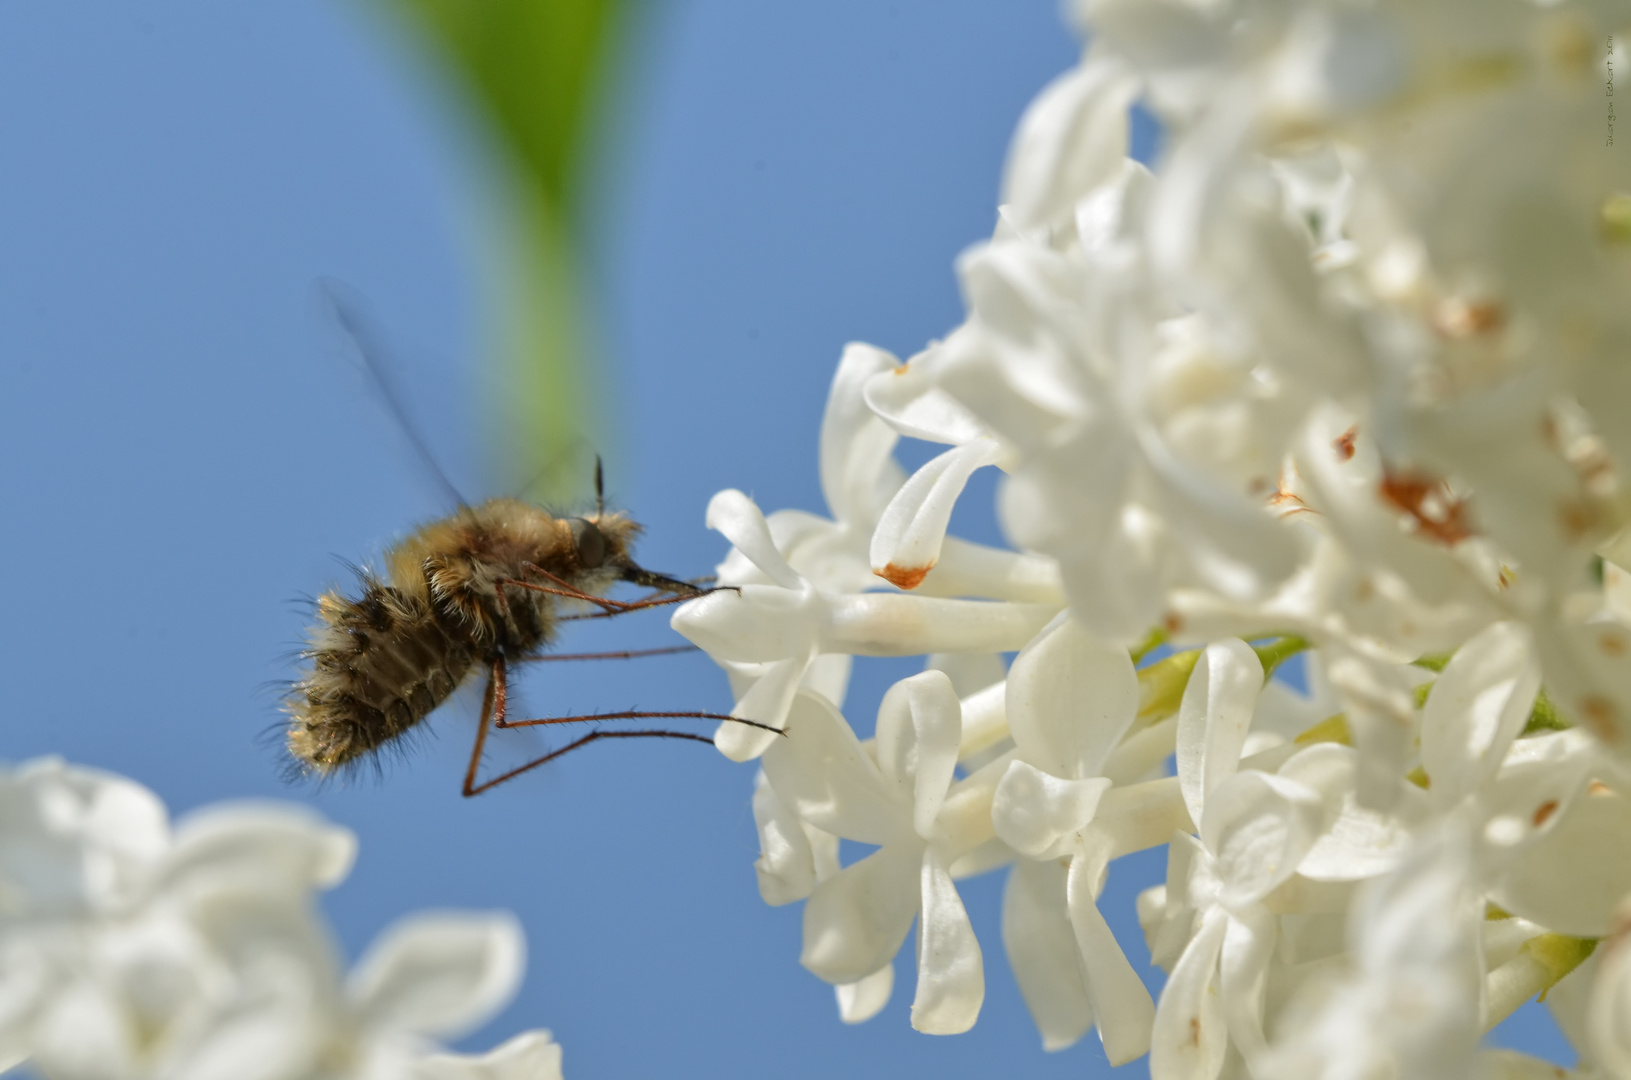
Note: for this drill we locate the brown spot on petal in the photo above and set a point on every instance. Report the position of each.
(1544, 811)
(1505, 577)
(1459, 319)
(906, 577)
(1436, 513)
(1611, 644)
(1344, 444)
(1578, 518)
(903, 368)
(1600, 715)
(1597, 787)
(1195, 1031)
(1286, 501)
(1171, 623)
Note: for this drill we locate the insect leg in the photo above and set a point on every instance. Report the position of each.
(632, 715)
(495, 706)
(492, 706)
(584, 741)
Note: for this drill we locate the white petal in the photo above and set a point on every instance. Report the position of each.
(1070, 698)
(531, 1055)
(84, 1034)
(1609, 1013)
(909, 399)
(1380, 706)
(1356, 842)
(1241, 550)
(1476, 708)
(919, 728)
(1168, 940)
(767, 702)
(1188, 1040)
(970, 673)
(1571, 880)
(1042, 951)
(1588, 675)
(1214, 718)
(820, 770)
(828, 675)
(753, 623)
(1038, 814)
(1248, 946)
(1121, 1005)
(906, 544)
(858, 475)
(856, 921)
(785, 867)
(892, 624)
(859, 1002)
(1258, 827)
(274, 1027)
(1072, 138)
(439, 974)
(1136, 817)
(950, 969)
(279, 841)
(738, 519)
(72, 838)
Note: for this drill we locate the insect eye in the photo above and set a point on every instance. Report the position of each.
(590, 541)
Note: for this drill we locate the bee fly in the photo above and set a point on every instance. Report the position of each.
(475, 591)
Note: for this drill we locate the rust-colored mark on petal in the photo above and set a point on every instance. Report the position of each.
(1171, 623)
(1578, 518)
(1286, 501)
(1344, 443)
(1504, 577)
(902, 369)
(1437, 514)
(1611, 644)
(1600, 715)
(1459, 319)
(1597, 787)
(1195, 1030)
(1544, 811)
(905, 577)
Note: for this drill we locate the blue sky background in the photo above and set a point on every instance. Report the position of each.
(187, 452)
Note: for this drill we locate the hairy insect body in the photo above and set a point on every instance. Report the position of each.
(459, 593)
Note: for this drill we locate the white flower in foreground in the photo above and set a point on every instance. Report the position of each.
(904, 800)
(1410, 1008)
(1070, 699)
(132, 950)
(784, 626)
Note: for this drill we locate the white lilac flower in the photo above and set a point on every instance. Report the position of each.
(1070, 699)
(1344, 372)
(900, 796)
(131, 949)
(785, 625)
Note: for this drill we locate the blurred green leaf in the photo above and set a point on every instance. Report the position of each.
(532, 69)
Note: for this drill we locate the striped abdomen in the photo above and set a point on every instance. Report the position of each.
(380, 664)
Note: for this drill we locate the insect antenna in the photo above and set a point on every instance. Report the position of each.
(367, 349)
(600, 489)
